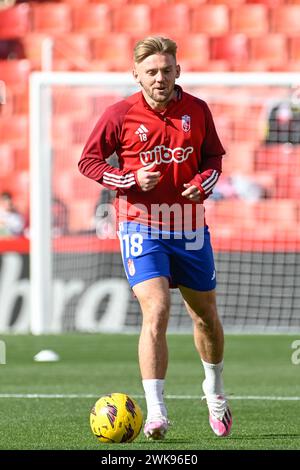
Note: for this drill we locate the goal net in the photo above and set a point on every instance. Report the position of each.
(77, 279)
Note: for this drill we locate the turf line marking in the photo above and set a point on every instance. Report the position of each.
(169, 397)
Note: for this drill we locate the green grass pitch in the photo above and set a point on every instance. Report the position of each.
(95, 364)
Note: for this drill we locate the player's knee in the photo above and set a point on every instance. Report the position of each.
(207, 319)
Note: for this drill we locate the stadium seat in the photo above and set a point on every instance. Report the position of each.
(82, 214)
(210, 19)
(151, 3)
(92, 19)
(294, 46)
(229, 3)
(113, 52)
(14, 21)
(73, 49)
(240, 157)
(72, 101)
(33, 46)
(17, 183)
(7, 159)
(251, 20)
(233, 48)
(15, 72)
(99, 102)
(118, 2)
(81, 129)
(285, 19)
(14, 129)
(21, 158)
(281, 212)
(132, 19)
(52, 18)
(271, 49)
(247, 133)
(20, 100)
(169, 21)
(268, 3)
(278, 158)
(190, 3)
(61, 129)
(193, 51)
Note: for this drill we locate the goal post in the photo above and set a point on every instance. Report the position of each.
(76, 278)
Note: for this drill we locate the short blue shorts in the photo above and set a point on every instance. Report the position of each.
(177, 257)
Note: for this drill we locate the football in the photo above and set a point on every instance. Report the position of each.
(116, 418)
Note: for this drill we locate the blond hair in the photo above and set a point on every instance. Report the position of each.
(154, 45)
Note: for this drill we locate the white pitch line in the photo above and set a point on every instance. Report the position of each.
(169, 397)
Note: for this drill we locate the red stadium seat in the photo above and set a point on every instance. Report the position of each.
(190, 3)
(268, 3)
(229, 3)
(52, 18)
(17, 183)
(169, 21)
(82, 214)
(81, 129)
(15, 72)
(233, 48)
(151, 3)
(74, 102)
(278, 158)
(100, 102)
(285, 19)
(251, 20)
(295, 49)
(271, 49)
(240, 157)
(20, 100)
(210, 19)
(113, 52)
(281, 212)
(14, 21)
(92, 19)
(21, 158)
(7, 159)
(132, 19)
(73, 49)
(33, 45)
(14, 129)
(193, 51)
(116, 2)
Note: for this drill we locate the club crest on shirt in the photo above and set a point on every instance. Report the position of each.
(186, 123)
(131, 267)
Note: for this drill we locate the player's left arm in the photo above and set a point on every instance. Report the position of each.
(201, 186)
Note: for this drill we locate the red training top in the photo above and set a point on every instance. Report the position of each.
(181, 140)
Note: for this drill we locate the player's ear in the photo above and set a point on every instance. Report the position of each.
(135, 75)
(178, 70)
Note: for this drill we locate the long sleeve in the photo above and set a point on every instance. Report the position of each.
(102, 143)
(211, 158)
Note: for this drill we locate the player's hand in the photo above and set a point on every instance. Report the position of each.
(192, 193)
(146, 178)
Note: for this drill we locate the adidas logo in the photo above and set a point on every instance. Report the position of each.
(142, 132)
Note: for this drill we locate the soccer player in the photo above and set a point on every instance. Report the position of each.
(169, 158)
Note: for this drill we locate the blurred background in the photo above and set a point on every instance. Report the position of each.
(254, 212)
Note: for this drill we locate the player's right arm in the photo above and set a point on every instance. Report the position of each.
(102, 143)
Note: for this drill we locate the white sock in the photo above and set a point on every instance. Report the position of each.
(213, 378)
(154, 391)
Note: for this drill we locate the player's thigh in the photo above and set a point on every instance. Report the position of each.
(154, 298)
(193, 268)
(199, 303)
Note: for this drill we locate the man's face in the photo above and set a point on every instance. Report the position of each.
(156, 75)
